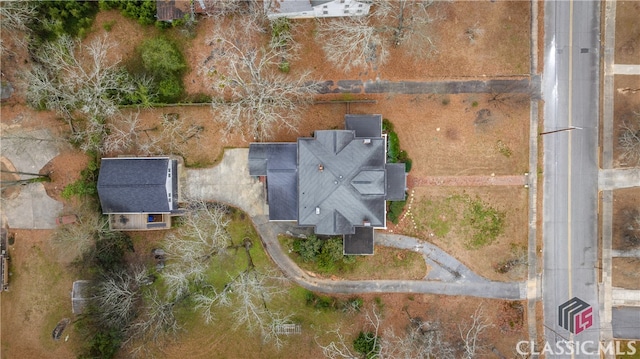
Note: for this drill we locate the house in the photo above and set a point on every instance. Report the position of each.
(304, 9)
(139, 193)
(337, 181)
(169, 10)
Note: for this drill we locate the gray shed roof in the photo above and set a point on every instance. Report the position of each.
(277, 161)
(340, 182)
(137, 185)
(359, 243)
(368, 126)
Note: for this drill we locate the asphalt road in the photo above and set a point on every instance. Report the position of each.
(570, 90)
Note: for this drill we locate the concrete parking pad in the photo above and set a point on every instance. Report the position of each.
(228, 182)
(32, 209)
(29, 151)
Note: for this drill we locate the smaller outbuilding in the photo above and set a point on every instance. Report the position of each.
(79, 296)
(139, 193)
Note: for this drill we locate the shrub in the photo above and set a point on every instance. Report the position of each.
(367, 344)
(394, 147)
(56, 18)
(144, 11)
(395, 210)
(387, 126)
(86, 185)
(170, 90)
(107, 26)
(161, 57)
(309, 248)
(163, 61)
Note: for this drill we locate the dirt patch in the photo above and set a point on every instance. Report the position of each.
(37, 300)
(626, 203)
(500, 260)
(627, 32)
(625, 273)
(626, 103)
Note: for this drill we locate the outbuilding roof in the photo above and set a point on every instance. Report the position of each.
(138, 185)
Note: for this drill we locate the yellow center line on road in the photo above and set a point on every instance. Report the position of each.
(569, 114)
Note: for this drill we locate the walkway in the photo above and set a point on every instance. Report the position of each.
(466, 181)
(610, 179)
(505, 85)
(229, 182)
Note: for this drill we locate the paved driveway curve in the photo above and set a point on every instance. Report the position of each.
(230, 182)
(29, 152)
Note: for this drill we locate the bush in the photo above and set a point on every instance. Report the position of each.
(56, 18)
(87, 185)
(394, 147)
(163, 61)
(144, 11)
(161, 57)
(395, 210)
(387, 126)
(309, 248)
(367, 344)
(326, 253)
(170, 90)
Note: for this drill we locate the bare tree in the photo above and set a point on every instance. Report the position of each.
(202, 236)
(629, 140)
(15, 17)
(341, 348)
(73, 240)
(117, 295)
(471, 333)
(352, 42)
(407, 23)
(254, 97)
(127, 133)
(156, 322)
(74, 79)
(422, 339)
(631, 228)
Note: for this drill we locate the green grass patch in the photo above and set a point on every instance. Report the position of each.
(476, 221)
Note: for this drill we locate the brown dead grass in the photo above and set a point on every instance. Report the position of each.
(626, 102)
(624, 200)
(626, 273)
(39, 296)
(627, 32)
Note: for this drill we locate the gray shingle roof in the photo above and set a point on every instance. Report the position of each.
(359, 243)
(396, 181)
(278, 162)
(340, 182)
(368, 126)
(134, 185)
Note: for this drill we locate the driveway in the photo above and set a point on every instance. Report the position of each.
(29, 152)
(229, 182)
